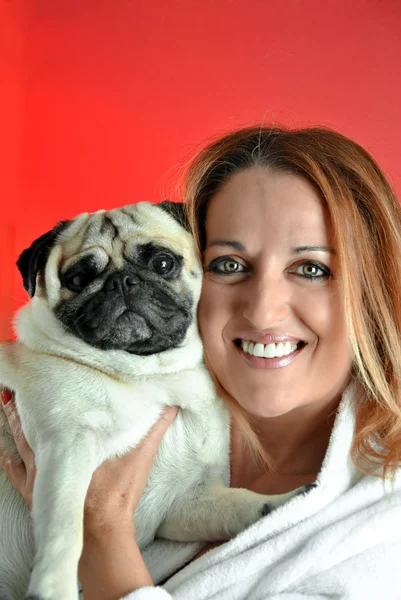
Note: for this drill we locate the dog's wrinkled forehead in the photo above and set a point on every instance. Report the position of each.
(111, 236)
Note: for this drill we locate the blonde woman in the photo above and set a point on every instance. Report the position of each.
(300, 315)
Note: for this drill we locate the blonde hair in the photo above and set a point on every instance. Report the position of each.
(366, 221)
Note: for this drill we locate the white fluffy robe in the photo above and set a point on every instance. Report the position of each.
(340, 541)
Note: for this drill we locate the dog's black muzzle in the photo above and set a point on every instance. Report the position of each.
(132, 314)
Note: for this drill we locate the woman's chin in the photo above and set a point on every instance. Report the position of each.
(262, 409)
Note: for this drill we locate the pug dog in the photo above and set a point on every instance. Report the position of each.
(108, 339)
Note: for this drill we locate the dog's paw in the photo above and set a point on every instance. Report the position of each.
(266, 509)
(276, 501)
(307, 488)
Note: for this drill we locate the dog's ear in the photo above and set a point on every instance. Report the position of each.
(178, 211)
(34, 258)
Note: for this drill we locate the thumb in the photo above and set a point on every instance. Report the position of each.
(168, 415)
(150, 444)
(159, 429)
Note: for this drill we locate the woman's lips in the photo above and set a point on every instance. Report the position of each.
(266, 338)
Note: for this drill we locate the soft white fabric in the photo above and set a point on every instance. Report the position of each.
(340, 541)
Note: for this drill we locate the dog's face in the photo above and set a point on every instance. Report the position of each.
(125, 279)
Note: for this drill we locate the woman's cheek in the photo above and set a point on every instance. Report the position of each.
(206, 310)
(211, 317)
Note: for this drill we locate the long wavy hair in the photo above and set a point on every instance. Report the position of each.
(366, 220)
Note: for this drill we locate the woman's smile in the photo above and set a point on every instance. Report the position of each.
(270, 354)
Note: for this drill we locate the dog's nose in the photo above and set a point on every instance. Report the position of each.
(121, 282)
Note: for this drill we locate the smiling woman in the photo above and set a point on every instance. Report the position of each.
(294, 227)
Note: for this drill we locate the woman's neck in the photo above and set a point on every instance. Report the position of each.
(295, 445)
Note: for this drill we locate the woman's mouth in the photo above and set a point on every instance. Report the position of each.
(269, 356)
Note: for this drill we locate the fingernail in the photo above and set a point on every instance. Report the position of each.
(169, 411)
(6, 396)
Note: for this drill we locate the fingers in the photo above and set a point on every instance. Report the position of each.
(136, 464)
(21, 474)
(118, 484)
(25, 452)
(15, 471)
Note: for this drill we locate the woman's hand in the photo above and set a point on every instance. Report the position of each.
(117, 485)
(21, 474)
(111, 565)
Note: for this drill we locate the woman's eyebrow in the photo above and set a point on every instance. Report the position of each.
(232, 243)
(297, 250)
(300, 249)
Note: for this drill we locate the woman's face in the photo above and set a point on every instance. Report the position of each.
(271, 310)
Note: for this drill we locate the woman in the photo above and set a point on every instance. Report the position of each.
(300, 315)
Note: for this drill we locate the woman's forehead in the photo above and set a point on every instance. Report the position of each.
(261, 201)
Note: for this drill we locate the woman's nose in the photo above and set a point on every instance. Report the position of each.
(266, 302)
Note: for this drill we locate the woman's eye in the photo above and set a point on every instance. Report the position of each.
(312, 270)
(225, 266)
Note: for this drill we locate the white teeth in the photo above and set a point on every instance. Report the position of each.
(258, 350)
(268, 350)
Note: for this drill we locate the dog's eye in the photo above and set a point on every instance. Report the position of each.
(76, 283)
(163, 264)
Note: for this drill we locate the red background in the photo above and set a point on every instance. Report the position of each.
(101, 100)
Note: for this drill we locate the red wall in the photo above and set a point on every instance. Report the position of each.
(104, 98)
